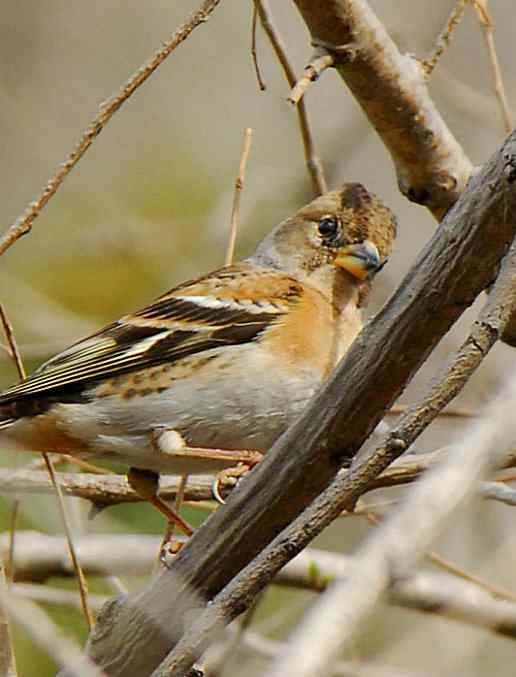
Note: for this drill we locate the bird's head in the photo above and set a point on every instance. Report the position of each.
(346, 232)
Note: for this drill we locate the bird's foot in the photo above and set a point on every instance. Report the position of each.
(231, 476)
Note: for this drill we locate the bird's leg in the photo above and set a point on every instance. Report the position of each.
(171, 443)
(238, 461)
(146, 484)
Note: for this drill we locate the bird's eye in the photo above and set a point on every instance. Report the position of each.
(328, 226)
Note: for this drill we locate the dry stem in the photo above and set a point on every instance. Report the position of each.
(486, 21)
(51, 472)
(254, 54)
(444, 37)
(239, 184)
(313, 162)
(318, 64)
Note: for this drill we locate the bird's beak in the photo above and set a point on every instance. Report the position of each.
(360, 260)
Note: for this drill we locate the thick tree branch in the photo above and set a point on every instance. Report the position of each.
(390, 87)
(459, 261)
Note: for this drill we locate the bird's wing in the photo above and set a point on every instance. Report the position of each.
(232, 306)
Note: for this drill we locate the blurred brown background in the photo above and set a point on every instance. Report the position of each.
(149, 206)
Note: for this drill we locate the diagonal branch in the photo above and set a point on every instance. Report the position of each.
(459, 261)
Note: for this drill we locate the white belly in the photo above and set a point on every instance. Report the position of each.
(239, 403)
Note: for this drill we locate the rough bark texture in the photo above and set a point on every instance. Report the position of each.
(390, 87)
(134, 633)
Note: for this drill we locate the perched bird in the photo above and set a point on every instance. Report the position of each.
(218, 366)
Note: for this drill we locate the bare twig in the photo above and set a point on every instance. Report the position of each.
(498, 491)
(83, 586)
(254, 54)
(444, 37)
(48, 636)
(11, 341)
(313, 162)
(456, 412)
(57, 489)
(7, 661)
(239, 184)
(431, 166)
(450, 567)
(13, 519)
(318, 64)
(486, 21)
(103, 490)
(23, 223)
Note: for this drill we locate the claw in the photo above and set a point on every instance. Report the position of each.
(215, 490)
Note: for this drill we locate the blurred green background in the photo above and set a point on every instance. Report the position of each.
(149, 205)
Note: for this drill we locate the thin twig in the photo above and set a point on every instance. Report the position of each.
(83, 586)
(450, 567)
(486, 21)
(318, 64)
(48, 636)
(390, 87)
(239, 184)
(23, 223)
(254, 54)
(456, 412)
(7, 660)
(13, 519)
(13, 346)
(313, 162)
(9, 333)
(444, 37)
(15, 507)
(494, 590)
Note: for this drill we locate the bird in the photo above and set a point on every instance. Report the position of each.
(212, 372)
